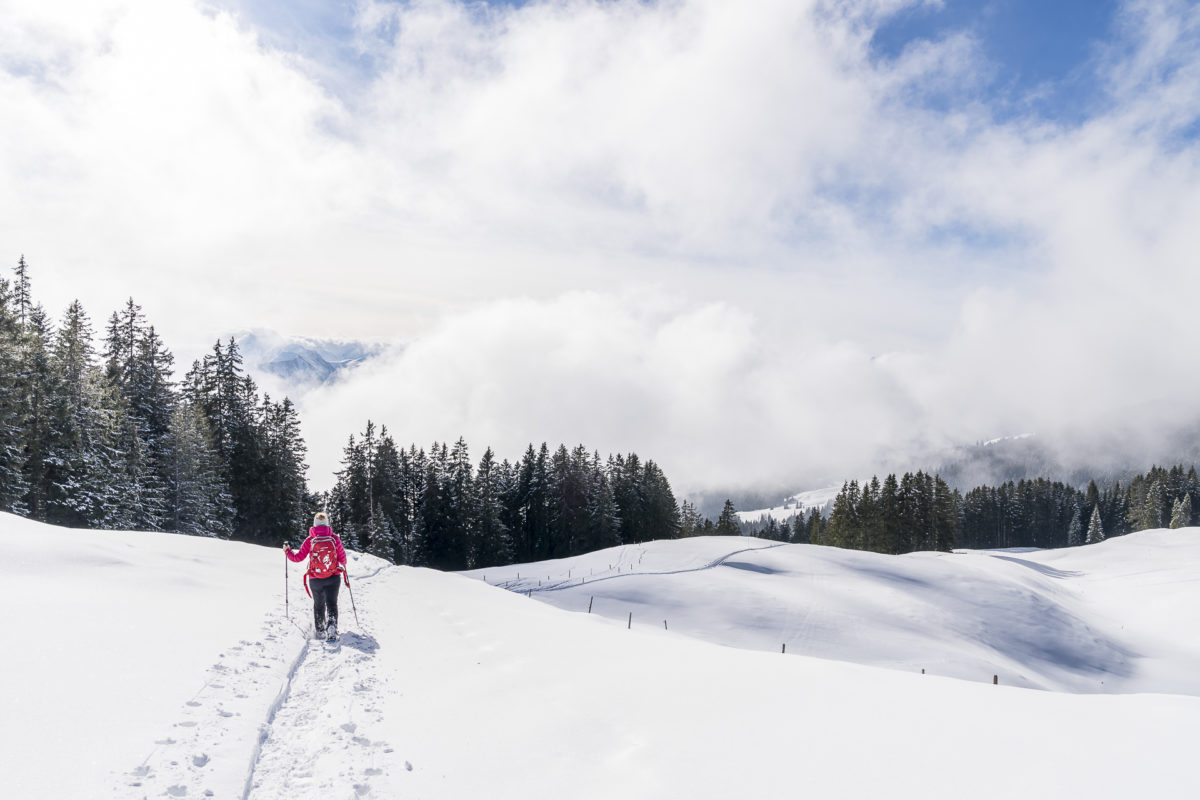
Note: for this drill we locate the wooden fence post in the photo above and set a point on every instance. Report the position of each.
(630, 626)
(592, 600)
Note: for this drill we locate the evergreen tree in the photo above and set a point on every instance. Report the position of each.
(438, 543)
(1075, 528)
(603, 525)
(13, 487)
(388, 476)
(690, 521)
(885, 528)
(946, 515)
(491, 544)
(82, 492)
(460, 507)
(348, 509)
(22, 296)
(727, 523)
(534, 491)
(1152, 507)
(569, 491)
(1095, 531)
(416, 470)
(660, 512)
(816, 527)
(1181, 513)
(200, 503)
(625, 474)
(842, 528)
(47, 420)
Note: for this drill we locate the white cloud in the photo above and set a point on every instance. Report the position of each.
(729, 240)
(701, 389)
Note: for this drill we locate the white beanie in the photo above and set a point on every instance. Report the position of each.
(320, 519)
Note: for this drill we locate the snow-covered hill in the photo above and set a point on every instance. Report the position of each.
(799, 504)
(1103, 618)
(150, 665)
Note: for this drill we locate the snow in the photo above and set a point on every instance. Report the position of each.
(152, 665)
(798, 504)
(1017, 438)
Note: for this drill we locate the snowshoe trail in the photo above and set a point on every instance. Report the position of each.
(324, 738)
(205, 748)
(278, 717)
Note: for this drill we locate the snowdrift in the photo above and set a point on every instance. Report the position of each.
(151, 665)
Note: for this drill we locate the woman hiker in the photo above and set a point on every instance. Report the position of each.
(326, 567)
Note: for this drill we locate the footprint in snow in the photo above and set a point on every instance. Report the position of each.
(200, 760)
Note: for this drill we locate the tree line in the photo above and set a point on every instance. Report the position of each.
(105, 438)
(439, 508)
(921, 512)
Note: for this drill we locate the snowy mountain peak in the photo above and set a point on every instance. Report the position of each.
(302, 363)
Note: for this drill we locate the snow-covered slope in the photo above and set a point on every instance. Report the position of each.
(1103, 618)
(149, 665)
(796, 505)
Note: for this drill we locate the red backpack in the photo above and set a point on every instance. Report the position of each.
(323, 561)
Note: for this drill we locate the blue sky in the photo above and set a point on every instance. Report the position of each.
(1041, 55)
(1043, 49)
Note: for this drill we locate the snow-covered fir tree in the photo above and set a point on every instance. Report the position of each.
(1095, 531)
(1181, 512)
(1075, 529)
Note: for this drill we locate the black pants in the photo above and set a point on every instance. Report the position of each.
(325, 592)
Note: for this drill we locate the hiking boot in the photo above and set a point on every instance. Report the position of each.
(331, 631)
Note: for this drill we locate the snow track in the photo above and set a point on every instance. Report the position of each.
(324, 739)
(536, 586)
(205, 750)
(283, 716)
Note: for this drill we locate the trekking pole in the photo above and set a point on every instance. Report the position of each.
(346, 578)
(286, 613)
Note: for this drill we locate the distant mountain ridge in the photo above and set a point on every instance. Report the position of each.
(302, 362)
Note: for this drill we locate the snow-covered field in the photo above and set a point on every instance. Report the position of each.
(149, 665)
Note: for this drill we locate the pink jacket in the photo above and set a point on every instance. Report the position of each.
(320, 530)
